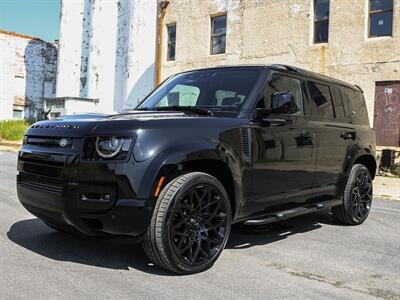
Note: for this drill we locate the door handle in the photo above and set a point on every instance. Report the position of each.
(349, 135)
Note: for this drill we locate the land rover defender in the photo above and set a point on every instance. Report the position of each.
(206, 149)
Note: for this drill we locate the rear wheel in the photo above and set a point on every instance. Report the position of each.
(357, 197)
(190, 224)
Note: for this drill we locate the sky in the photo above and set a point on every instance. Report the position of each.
(40, 18)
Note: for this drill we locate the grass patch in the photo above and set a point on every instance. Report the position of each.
(13, 130)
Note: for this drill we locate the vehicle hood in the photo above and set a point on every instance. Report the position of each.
(125, 124)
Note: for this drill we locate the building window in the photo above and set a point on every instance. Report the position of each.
(321, 21)
(18, 114)
(218, 34)
(171, 29)
(380, 18)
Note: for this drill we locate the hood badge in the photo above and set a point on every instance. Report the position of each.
(63, 142)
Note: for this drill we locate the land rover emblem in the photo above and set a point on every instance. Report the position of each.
(63, 142)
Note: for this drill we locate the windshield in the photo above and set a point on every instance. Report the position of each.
(218, 90)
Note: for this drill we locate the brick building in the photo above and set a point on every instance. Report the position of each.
(28, 75)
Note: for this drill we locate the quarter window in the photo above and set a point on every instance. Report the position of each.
(321, 100)
(321, 21)
(283, 84)
(218, 34)
(337, 103)
(380, 18)
(171, 29)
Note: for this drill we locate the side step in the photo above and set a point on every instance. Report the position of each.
(294, 212)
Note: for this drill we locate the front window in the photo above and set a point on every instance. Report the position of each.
(218, 90)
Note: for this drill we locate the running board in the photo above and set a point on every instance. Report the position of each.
(294, 212)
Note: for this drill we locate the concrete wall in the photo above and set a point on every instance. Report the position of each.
(260, 31)
(28, 69)
(107, 51)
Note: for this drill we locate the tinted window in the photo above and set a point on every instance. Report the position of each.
(321, 105)
(356, 106)
(283, 84)
(337, 103)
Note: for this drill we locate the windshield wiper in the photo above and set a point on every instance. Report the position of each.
(184, 109)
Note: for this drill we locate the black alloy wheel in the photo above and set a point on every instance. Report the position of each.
(361, 197)
(198, 226)
(357, 198)
(190, 224)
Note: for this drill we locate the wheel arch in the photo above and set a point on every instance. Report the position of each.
(209, 161)
(369, 162)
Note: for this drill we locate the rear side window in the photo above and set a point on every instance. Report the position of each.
(337, 103)
(356, 106)
(321, 105)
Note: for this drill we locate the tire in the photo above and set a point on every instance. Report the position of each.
(190, 224)
(357, 197)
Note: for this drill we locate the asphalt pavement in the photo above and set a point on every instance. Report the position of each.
(309, 257)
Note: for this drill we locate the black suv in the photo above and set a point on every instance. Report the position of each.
(206, 149)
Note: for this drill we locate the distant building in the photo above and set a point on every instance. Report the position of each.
(109, 49)
(27, 75)
(107, 52)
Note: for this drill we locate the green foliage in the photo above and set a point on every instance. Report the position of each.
(13, 130)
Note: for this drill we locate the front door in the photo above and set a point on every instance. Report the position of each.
(285, 153)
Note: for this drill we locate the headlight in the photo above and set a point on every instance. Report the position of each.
(107, 147)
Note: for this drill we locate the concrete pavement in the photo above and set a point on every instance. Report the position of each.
(309, 257)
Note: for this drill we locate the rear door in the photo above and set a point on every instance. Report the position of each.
(334, 135)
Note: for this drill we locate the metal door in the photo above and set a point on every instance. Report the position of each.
(387, 113)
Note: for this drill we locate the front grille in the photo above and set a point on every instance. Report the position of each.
(47, 142)
(40, 184)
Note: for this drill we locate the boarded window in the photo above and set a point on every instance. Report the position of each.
(380, 18)
(218, 34)
(321, 21)
(171, 41)
(321, 105)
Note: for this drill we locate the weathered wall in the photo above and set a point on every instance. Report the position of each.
(261, 31)
(28, 69)
(107, 51)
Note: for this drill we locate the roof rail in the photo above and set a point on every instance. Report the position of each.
(289, 68)
(357, 86)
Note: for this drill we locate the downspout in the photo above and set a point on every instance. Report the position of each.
(162, 6)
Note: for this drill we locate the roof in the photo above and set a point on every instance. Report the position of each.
(289, 69)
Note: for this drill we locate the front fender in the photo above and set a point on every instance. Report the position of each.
(173, 157)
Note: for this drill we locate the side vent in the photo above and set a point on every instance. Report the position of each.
(246, 144)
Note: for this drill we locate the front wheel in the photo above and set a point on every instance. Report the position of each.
(190, 224)
(357, 197)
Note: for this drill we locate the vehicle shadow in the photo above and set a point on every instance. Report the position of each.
(34, 235)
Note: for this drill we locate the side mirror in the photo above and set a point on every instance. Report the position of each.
(282, 103)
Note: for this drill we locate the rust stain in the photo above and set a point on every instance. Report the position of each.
(20, 35)
(323, 59)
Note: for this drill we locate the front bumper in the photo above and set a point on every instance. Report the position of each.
(93, 209)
